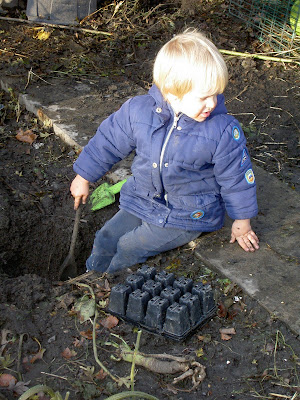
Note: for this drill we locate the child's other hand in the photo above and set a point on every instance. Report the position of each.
(79, 190)
(242, 232)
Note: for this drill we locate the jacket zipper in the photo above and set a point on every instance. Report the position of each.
(174, 125)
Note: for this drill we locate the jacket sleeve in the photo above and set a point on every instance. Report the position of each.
(112, 142)
(234, 174)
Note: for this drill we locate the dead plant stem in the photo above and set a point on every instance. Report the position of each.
(259, 56)
(136, 348)
(71, 28)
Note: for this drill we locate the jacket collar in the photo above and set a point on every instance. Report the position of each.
(166, 109)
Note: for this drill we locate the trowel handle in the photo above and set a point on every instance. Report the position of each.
(117, 187)
(75, 228)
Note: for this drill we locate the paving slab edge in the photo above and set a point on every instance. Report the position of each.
(33, 106)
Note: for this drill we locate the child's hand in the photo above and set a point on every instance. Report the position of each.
(79, 190)
(242, 232)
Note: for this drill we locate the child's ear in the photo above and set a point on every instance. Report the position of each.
(173, 100)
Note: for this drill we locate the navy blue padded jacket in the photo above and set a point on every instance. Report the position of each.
(185, 173)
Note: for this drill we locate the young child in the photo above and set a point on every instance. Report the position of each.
(191, 161)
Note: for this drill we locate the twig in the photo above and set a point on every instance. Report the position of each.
(72, 28)
(55, 376)
(237, 96)
(283, 396)
(12, 52)
(261, 57)
(88, 16)
(30, 73)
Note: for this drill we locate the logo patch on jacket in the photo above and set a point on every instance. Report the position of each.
(197, 214)
(236, 134)
(249, 175)
(244, 157)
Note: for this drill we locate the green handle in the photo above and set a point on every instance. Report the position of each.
(117, 187)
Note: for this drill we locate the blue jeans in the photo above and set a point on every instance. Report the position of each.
(126, 240)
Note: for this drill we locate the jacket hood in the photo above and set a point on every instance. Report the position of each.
(162, 103)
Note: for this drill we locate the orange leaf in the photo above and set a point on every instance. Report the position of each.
(27, 136)
(87, 334)
(109, 322)
(101, 375)
(225, 337)
(37, 356)
(67, 353)
(7, 380)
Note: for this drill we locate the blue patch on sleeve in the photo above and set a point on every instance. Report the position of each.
(249, 176)
(236, 134)
(198, 214)
(244, 157)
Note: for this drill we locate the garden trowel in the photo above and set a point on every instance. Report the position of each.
(104, 195)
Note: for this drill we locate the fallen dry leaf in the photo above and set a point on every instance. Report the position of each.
(109, 322)
(7, 380)
(228, 331)
(67, 353)
(78, 343)
(20, 387)
(101, 375)
(222, 310)
(27, 136)
(225, 337)
(88, 334)
(37, 356)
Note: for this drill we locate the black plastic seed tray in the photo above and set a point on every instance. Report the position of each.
(161, 303)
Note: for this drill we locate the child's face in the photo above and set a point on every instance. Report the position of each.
(195, 104)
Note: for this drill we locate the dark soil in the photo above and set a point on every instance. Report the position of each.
(37, 317)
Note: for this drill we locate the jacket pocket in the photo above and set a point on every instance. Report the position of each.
(208, 208)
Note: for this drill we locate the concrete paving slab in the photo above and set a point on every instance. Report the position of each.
(270, 275)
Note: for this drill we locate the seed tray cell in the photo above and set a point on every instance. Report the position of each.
(161, 303)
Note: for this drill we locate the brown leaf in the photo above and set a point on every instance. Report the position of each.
(109, 322)
(99, 294)
(101, 375)
(87, 334)
(222, 310)
(27, 136)
(225, 337)
(7, 380)
(67, 353)
(65, 300)
(37, 356)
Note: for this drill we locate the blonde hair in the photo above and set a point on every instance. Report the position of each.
(187, 61)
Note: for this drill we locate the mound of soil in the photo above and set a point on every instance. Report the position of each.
(43, 340)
